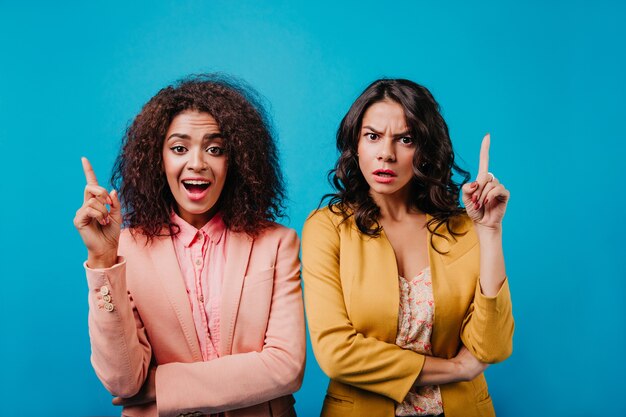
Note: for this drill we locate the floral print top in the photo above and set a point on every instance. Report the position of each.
(415, 326)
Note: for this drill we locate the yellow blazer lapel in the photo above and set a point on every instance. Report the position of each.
(239, 246)
(451, 289)
(167, 268)
(386, 287)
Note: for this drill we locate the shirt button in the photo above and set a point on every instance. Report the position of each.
(201, 299)
(200, 236)
(104, 290)
(106, 298)
(109, 307)
(198, 261)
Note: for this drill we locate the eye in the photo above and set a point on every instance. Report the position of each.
(215, 150)
(178, 149)
(371, 136)
(407, 140)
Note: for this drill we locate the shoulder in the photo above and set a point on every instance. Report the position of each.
(462, 225)
(326, 217)
(325, 227)
(132, 241)
(274, 234)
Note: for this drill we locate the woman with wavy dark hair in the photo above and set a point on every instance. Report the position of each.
(406, 293)
(195, 306)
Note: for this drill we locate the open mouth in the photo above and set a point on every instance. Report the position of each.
(384, 176)
(385, 173)
(196, 186)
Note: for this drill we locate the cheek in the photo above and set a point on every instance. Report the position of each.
(362, 153)
(407, 158)
(223, 171)
(167, 169)
(360, 149)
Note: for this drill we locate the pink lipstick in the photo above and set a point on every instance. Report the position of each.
(384, 176)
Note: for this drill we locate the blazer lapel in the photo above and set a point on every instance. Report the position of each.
(447, 289)
(166, 265)
(239, 246)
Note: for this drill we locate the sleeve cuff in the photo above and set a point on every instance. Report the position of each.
(105, 276)
(120, 260)
(497, 302)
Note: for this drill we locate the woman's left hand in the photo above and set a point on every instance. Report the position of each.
(485, 199)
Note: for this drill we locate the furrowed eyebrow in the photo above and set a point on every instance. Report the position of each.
(399, 135)
(402, 135)
(372, 129)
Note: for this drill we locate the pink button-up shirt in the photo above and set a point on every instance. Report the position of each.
(201, 256)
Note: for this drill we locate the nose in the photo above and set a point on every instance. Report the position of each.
(386, 152)
(197, 160)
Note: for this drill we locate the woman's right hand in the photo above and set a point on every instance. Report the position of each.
(98, 226)
(468, 366)
(463, 367)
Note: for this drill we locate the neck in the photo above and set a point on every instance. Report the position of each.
(393, 208)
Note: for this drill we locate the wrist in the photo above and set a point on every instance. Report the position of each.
(488, 232)
(101, 261)
(459, 371)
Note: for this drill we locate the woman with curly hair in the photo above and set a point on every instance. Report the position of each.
(195, 306)
(406, 294)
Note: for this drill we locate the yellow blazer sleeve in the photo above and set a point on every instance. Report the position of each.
(487, 330)
(342, 352)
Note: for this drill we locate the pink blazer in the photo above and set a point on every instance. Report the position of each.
(150, 331)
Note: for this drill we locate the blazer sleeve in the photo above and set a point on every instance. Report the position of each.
(342, 352)
(120, 352)
(245, 379)
(487, 329)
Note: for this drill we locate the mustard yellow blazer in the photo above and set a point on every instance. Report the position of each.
(352, 298)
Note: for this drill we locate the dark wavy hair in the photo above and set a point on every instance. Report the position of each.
(253, 194)
(433, 190)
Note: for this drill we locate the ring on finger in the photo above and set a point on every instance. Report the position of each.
(492, 177)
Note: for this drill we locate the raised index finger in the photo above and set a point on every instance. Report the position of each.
(483, 164)
(89, 174)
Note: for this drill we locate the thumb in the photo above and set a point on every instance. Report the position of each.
(116, 207)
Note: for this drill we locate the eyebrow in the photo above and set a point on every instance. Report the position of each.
(399, 135)
(372, 129)
(403, 134)
(206, 138)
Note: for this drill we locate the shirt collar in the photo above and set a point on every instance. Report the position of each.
(214, 229)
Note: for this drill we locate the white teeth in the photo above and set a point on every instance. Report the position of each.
(196, 182)
(383, 174)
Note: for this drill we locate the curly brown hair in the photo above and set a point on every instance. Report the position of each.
(253, 194)
(433, 190)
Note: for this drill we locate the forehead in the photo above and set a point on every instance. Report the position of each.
(193, 120)
(384, 113)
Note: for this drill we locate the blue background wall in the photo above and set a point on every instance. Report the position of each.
(546, 79)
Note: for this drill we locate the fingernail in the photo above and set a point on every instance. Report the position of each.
(474, 198)
(109, 201)
(475, 184)
(486, 201)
